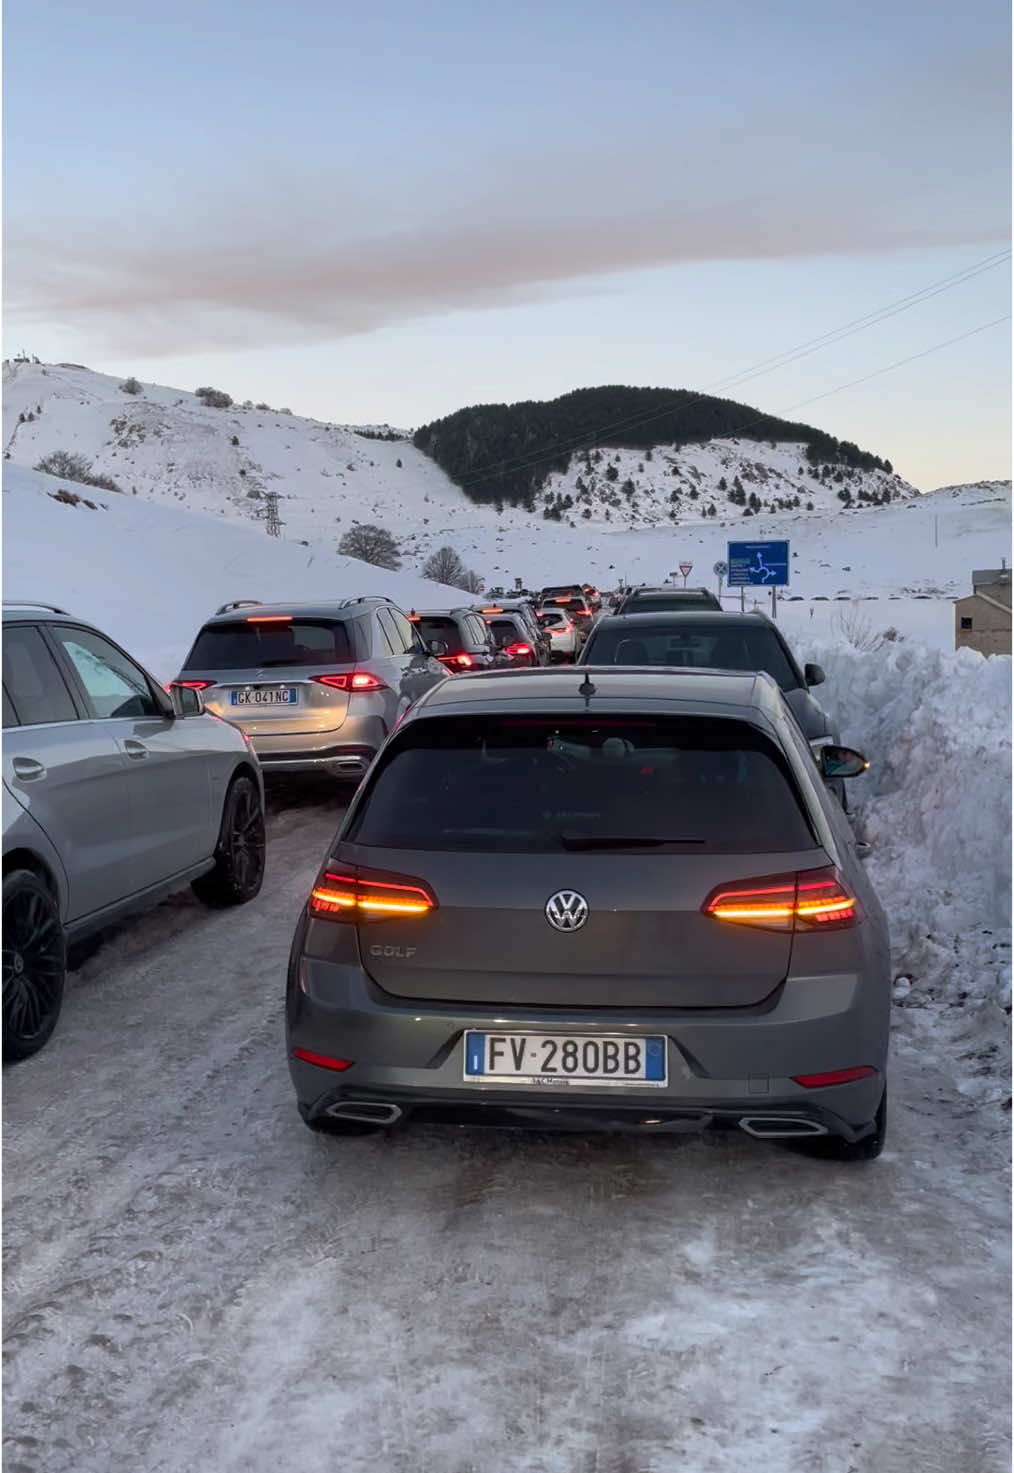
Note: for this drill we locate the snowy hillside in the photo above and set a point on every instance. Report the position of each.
(166, 447)
(149, 575)
(170, 446)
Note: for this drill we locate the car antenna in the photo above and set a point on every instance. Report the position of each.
(586, 689)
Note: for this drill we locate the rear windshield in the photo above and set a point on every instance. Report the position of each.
(715, 647)
(553, 616)
(538, 784)
(504, 629)
(438, 627)
(247, 645)
(658, 603)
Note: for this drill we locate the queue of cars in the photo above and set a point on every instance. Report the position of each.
(619, 897)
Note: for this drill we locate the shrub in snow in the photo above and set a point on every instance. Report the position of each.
(372, 544)
(853, 627)
(130, 386)
(214, 398)
(65, 463)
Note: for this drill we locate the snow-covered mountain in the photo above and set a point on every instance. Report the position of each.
(168, 447)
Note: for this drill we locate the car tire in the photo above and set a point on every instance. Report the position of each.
(34, 963)
(836, 1148)
(239, 854)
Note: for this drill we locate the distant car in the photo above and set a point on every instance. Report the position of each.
(621, 903)
(662, 600)
(537, 636)
(562, 631)
(512, 637)
(316, 686)
(562, 591)
(458, 638)
(115, 794)
(576, 606)
(730, 641)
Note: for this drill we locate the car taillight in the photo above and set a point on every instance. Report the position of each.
(518, 649)
(836, 1076)
(811, 900)
(360, 680)
(322, 1061)
(355, 894)
(190, 684)
(457, 662)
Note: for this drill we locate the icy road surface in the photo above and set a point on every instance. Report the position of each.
(195, 1282)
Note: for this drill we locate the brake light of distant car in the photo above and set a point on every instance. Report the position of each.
(514, 650)
(269, 618)
(361, 680)
(356, 894)
(190, 684)
(462, 661)
(812, 900)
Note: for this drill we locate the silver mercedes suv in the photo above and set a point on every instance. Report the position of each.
(315, 686)
(603, 898)
(114, 795)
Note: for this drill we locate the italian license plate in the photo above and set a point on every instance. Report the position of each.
(265, 695)
(555, 1059)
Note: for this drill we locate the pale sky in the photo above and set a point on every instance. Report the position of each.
(386, 214)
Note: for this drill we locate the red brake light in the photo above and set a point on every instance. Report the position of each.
(518, 649)
(836, 1076)
(463, 661)
(813, 900)
(269, 618)
(360, 680)
(323, 1061)
(357, 894)
(191, 684)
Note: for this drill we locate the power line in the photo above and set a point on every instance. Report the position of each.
(781, 360)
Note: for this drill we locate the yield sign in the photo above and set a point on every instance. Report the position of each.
(686, 569)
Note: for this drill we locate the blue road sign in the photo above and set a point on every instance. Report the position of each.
(758, 563)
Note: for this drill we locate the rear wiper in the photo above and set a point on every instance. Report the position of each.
(571, 840)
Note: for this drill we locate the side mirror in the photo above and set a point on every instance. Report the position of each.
(437, 647)
(186, 702)
(813, 675)
(841, 762)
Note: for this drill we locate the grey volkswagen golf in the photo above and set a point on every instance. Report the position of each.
(603, 898)
(114, 795)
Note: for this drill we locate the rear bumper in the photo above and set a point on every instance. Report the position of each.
(722, 1067)
(347, 751)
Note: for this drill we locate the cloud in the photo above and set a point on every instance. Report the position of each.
(298, 259)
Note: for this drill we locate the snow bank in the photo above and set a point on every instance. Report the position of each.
(936, 806)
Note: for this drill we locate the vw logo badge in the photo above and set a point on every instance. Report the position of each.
(566, 910)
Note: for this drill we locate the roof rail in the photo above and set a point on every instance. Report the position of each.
(238, 603)
(31, 603)
(367, 598)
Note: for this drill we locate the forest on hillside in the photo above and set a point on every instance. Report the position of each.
(503, 453)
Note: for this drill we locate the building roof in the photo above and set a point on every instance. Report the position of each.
(981, 577)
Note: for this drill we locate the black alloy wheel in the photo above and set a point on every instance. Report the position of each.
(34, 964)
(239, 857)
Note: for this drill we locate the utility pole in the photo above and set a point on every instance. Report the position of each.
(271, 517)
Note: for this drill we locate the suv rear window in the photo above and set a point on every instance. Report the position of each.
(440, 627)
(708, 647)
(252, 645)
(657, 603)
(690, 785)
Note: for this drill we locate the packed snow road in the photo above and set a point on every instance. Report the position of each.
(195, 1281)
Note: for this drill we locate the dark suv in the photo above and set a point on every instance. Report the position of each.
(660, 600)
(540, 642)
(315, 686)
(512, 637)
(458, 638)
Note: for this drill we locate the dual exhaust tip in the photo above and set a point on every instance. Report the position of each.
(762, 1127)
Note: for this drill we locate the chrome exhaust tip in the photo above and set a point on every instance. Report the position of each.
(780, 1127)
(370, 1112)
